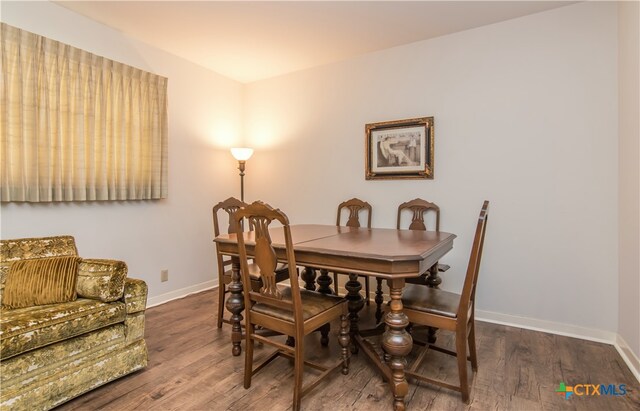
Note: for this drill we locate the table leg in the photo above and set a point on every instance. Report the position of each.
(397, 343)
(309, 277)
(433, 281)
(355, 304)
(235, 304)
(324, 282)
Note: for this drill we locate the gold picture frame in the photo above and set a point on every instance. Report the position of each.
(400, 149)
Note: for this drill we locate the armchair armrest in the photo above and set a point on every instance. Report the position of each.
(135, 300)
(135, 295)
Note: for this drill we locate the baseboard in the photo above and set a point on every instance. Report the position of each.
(583, 333)
(629, 357)
(567, 330)
(181, 293)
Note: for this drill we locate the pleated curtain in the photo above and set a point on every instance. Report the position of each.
(76, 126)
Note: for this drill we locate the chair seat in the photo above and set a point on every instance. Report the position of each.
(313, 303)
(443, 267)
(422, 280)
(430, 300)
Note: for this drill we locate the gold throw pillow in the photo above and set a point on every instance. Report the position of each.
(41, 281)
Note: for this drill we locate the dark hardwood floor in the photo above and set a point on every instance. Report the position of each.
(191, 368)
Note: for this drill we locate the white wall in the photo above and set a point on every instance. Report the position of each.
(205, 112)
(525, 116)
(629, 182)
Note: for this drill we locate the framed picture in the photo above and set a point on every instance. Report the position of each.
(401, 149)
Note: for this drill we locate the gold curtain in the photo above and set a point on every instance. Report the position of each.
(77, 127)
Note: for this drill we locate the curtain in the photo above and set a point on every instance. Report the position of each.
(75, 126)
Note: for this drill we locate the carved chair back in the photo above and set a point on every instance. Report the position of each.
(468, 295)
(260, 216)
(355, 206)
(419, 208)
(230, 206)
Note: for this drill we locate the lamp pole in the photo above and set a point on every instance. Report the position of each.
(241, 165)
(242, 154)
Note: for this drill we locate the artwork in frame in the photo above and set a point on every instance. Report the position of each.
(400, 149)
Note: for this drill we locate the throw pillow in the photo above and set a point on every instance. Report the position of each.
(41, 281)
(100, 279)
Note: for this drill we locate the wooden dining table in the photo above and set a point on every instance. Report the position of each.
(390, 254)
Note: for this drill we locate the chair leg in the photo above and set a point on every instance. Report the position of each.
(324, 333)
(248, 355)
(379, 300)
(345, 340)
(367, 290)
(297, 373)
(461, 356)
(221, 292)
(335, 283)
(472, 346)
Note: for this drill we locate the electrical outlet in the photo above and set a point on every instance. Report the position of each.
(164, 275)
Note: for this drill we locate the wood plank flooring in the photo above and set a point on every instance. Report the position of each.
(191, 368)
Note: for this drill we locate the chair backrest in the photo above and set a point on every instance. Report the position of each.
(230, 206)
(418, 207)
(355, 206)
(468, 296)
(260, 216)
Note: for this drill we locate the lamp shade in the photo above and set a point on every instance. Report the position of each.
(241, 153)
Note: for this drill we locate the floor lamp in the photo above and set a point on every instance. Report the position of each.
(242, 154)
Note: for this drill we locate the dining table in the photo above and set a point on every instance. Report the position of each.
(390, 254)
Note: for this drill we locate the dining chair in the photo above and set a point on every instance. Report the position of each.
(449, 311)
(289, 310)
(417, 208)
(231, 205)
(354, 206)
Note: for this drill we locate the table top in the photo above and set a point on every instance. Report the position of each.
(378, 252)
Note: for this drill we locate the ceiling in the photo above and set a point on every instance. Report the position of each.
(254, 40)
